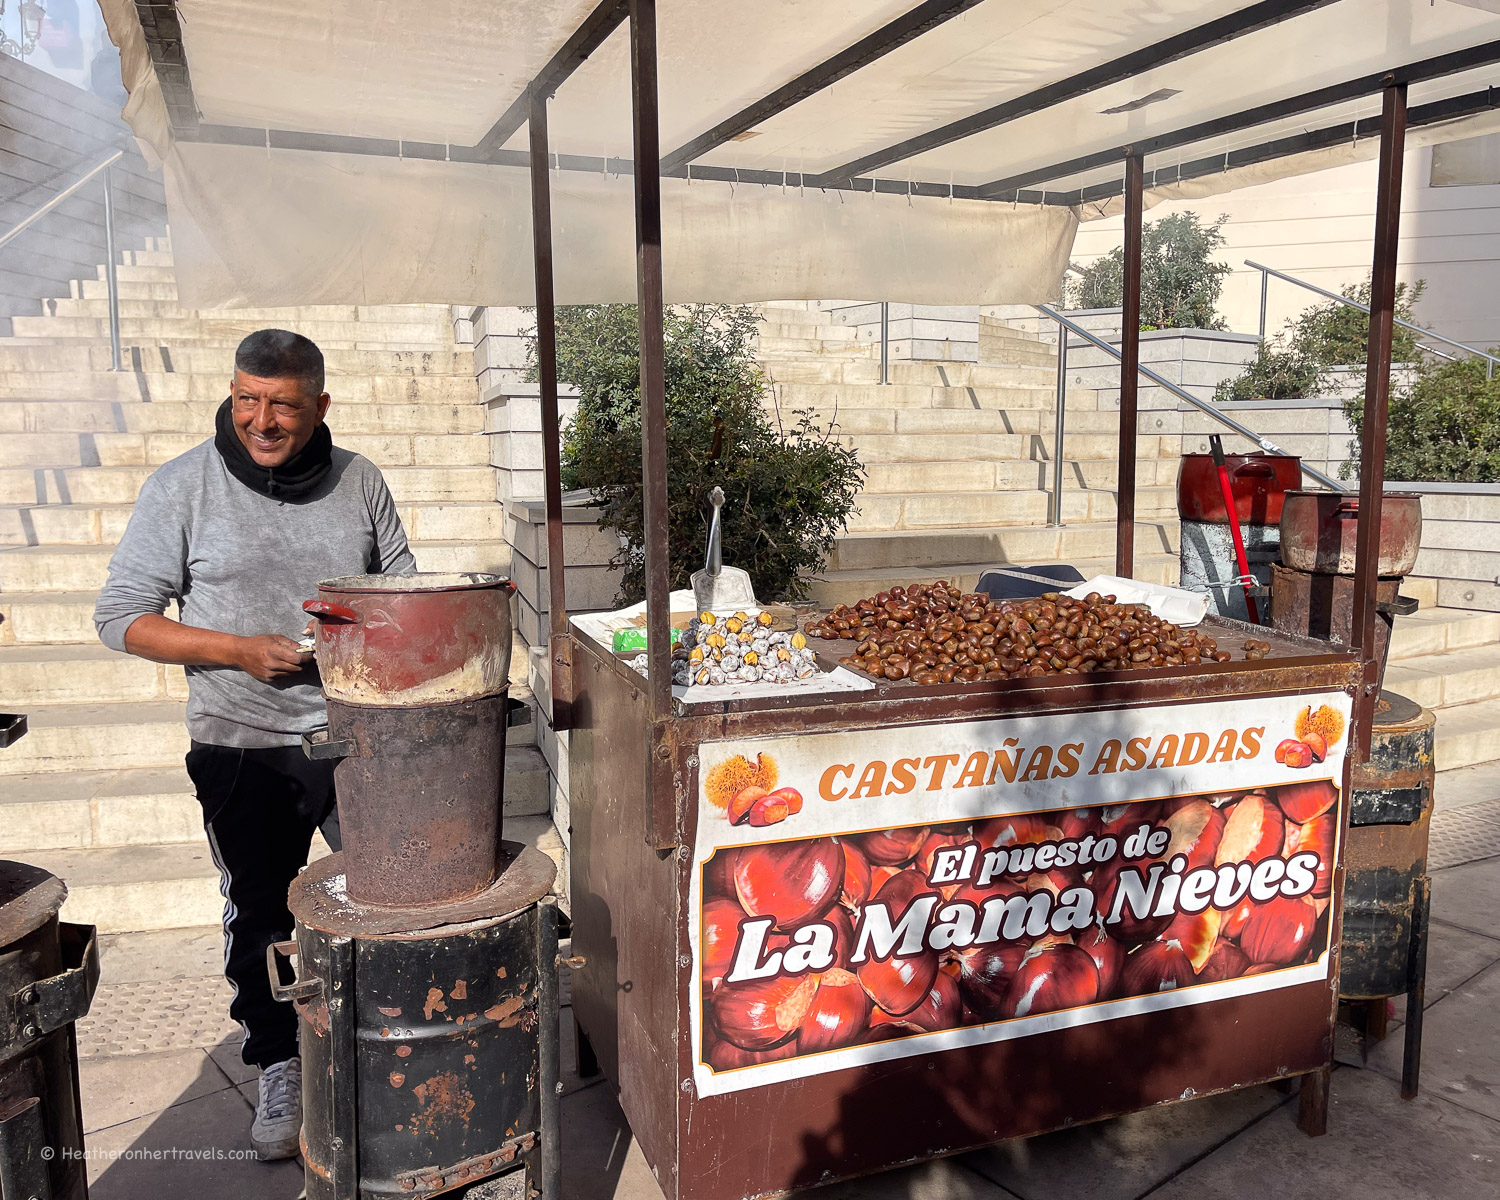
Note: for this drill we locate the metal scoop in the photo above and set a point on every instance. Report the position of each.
(718, 588)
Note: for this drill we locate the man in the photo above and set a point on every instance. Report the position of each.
(239, 530)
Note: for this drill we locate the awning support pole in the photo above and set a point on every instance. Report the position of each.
(1377, 400)
(559, 648)
(1130, 360)
(653, 380)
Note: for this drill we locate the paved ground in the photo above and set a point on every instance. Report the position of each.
(167, 1101)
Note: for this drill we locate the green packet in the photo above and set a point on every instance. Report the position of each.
(633, 638)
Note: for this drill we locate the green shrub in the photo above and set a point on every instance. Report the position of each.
(1295, 363)
(788, 490)
(1444, 426)
(1180, 280)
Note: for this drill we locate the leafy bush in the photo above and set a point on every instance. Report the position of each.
(1444, 426)
(1294, 364)
(788, 491)
(1180, 280)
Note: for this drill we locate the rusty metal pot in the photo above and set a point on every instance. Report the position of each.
(1318, 532)
(395, 641)
(1259, 483)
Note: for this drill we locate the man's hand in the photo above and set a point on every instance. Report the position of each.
(267, 657)
(270, 656)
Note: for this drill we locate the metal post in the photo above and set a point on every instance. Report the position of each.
(1265, 288)
(1377, 396)
(885, 341)
(544, 1168)
(546, 373)
(1055, 506)
(1130, 359)
(653, 379)
(111, 279)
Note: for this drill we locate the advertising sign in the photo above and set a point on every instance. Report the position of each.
(871, 895)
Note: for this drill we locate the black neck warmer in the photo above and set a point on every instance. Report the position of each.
(295, 479)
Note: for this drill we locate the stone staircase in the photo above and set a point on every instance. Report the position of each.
(958, 456)
(97, 792)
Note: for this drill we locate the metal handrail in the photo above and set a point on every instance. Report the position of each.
(111, 280)
(1204, 406)
(1266, 272)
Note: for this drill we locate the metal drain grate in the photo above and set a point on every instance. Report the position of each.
(168, 1014)
(1462, 835)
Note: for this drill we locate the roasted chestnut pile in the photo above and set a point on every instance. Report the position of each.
(934, 633)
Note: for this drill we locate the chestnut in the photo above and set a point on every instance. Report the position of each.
(726, 1056)
(721, 930)
(1197, 934)
(1227, 961)
(942, 1008)
(1156, 967)
(1108, 956)
(1317, 837)
(1280, 930)
(984, 977)
(761, 1014)
(1254, 830)
(794, 882)
(856, 888)
(891, 847)
(899, 985)
(742, 802)
(838, 1016)
(1301, 802)
(1054, 977)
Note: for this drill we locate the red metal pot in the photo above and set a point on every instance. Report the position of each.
(395, 641)
(1318, 531)
(1259, 483)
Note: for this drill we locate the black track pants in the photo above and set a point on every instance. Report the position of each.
(260, 808)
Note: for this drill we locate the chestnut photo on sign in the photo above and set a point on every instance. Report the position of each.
(814, 945)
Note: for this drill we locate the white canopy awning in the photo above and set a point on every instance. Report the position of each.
(327, 153)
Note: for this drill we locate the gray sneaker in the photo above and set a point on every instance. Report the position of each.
(278, 1117)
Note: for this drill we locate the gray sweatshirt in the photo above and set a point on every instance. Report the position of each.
(243, 563)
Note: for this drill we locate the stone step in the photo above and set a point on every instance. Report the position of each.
(84, 674)
(1010, 475)
(857, 420)
(155, 386)
(135, 416)
(190, 328)
(121, 485)
(103, 524)
(934, 549)
(788, 328)
(1431, 631)
(829, 369)
(82, 568)
(940, 510)
(846, 587)
(155, 806)
(47, 618)
(1451, 678)
(435, 317)
(1025, 392)
(153, 449)
(996, 447)
(98, 737)
(1467, 734)
(19, 355)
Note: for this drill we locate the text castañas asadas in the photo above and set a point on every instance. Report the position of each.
(1014, 762)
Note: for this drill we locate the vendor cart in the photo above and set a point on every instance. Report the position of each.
(979, 910)
(987, 912)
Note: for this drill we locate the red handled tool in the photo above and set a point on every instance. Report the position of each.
(1216, 444)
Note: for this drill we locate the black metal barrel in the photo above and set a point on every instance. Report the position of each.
(420, 794)
(1386, 888)
(49, 970)
(428, 1036)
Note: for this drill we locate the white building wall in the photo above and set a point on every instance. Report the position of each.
(1319, 227)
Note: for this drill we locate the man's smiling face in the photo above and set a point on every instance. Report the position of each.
(274, 418)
